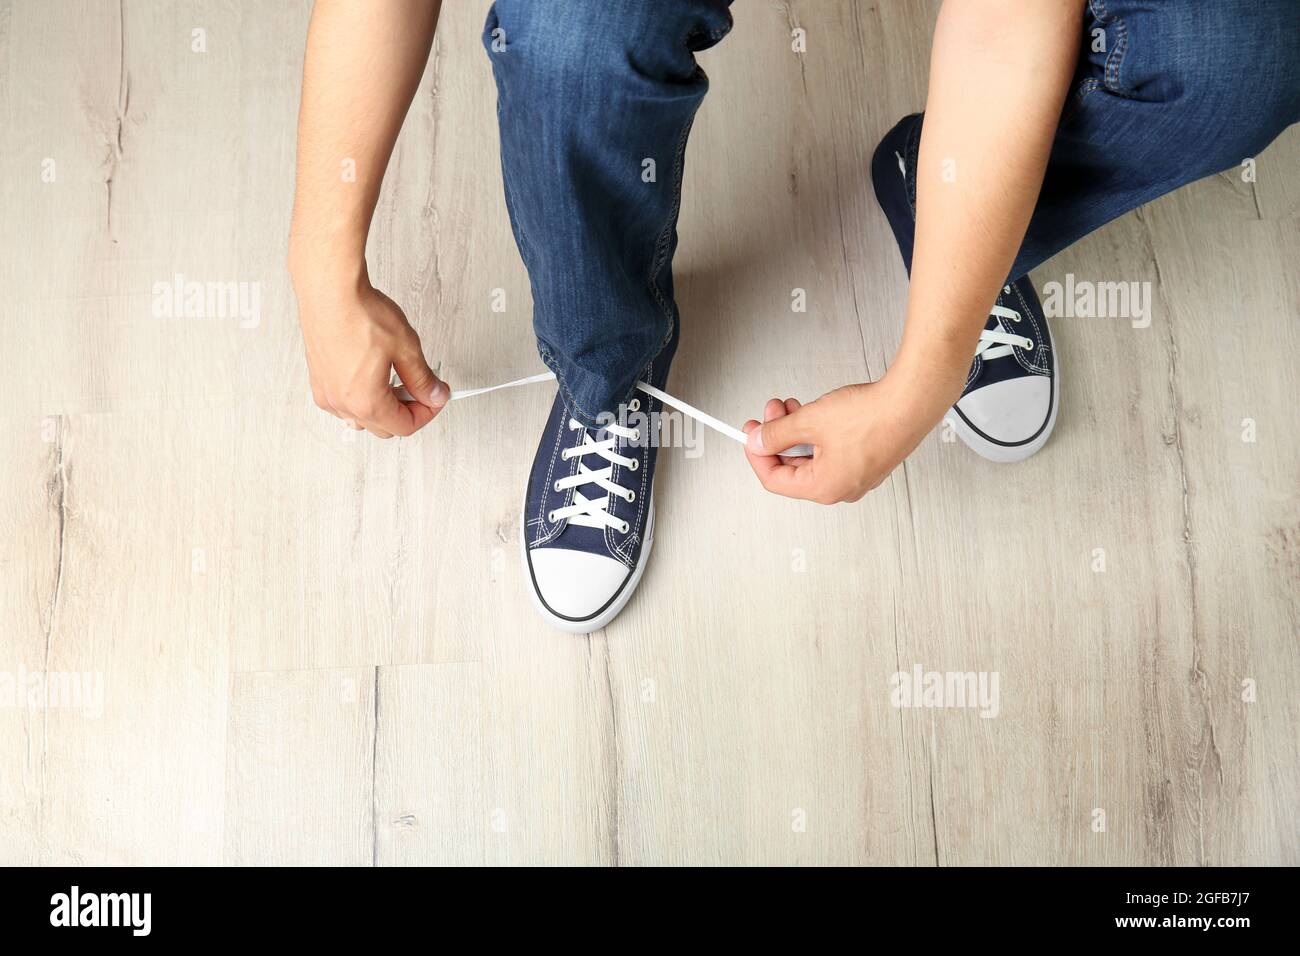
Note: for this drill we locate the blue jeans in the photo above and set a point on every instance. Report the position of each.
(596, 99)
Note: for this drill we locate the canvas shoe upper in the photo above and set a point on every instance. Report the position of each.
(588, 515)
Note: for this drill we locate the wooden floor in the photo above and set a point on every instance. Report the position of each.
(313, 647)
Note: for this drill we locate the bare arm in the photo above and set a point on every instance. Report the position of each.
(999, 74)
(998, 79)
(363, 65)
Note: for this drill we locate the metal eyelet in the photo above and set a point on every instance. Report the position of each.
(557, 487)
(636, 463)
(636, 435)
(631, 497)
(1006, 290)
(550, 516)
(1029, 347)
(634, 405)
(626, 527)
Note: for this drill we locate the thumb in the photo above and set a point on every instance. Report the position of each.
(425, 387)
(775, 436)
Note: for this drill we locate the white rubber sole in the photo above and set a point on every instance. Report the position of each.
(610, 610)
(1005, 454)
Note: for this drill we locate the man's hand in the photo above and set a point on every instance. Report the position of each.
(999, 72)
(361, 70)
(860, 434)
(354, 336)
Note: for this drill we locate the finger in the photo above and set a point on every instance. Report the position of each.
(378, 432)
(424, 386)
(792, 405)
(387, 413)
(321, 401)
(797, 479)
(764, 464)
(783, 431)
(778, 409)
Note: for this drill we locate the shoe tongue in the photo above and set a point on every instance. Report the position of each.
(580, 537)
(604, 434)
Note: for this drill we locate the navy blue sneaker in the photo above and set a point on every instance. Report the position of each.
(1008, 408)
(589, 515)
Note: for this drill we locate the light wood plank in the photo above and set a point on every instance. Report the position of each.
(317, 648)
(429, 806)
(123, 588)
(300, 769)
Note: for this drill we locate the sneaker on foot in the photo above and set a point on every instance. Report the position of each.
(1008, 408)
(588, 517)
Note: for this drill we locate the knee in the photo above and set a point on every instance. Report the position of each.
(1224, 74)
(535, 47)
(1242, 84)
(542, 48)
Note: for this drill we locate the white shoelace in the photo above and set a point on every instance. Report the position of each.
(995, 343)
(594, 512)
(704, 418)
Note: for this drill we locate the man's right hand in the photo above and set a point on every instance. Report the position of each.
(354, 337)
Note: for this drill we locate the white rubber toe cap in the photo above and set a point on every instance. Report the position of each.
(575, 584)
(1011, 412)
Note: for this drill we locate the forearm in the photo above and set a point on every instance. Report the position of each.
(362, 67)
(1000, 71)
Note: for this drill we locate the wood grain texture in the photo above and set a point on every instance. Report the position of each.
(317, 648)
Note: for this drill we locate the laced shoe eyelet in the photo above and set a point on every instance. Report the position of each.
(1028, 346)
(624, 528)
(636, 435)
(557, 487)
(1006, 290)
(550, 516)
(634, 405)
(631, 497)
(636, 463)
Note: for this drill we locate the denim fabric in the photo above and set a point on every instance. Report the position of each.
(1183, 89)
(590, 89)
(588, 93)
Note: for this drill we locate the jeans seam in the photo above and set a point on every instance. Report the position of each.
(549, 361)
(1090, 85)
(661, 246)
(1115, 58)
(513, 203)
(656, 266)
